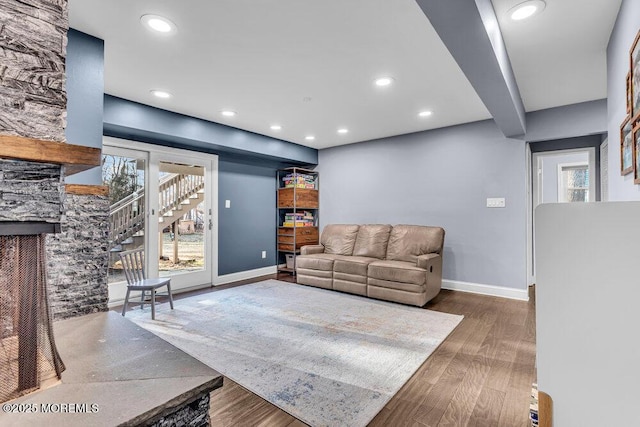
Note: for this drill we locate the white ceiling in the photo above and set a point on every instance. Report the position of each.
(310, 66)
(559, 56)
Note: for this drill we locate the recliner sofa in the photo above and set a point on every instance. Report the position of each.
(401, 263)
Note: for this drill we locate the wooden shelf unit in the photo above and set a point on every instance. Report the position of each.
(295, 200)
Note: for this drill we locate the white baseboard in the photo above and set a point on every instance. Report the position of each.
(120, 300)
(244, 275)
(477, 288)
(221, 280)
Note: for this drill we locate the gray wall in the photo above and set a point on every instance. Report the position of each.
(85, 91)
(439, 177)
(622, 36)
(249, 226)
(585, 118)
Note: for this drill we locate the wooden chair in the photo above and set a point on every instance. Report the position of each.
(133, 266)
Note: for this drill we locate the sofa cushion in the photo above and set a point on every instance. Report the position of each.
(339, 239)
(353, 265)
(316, 261)
(397, 271)
(407, 242)
(346, 277)
(388, 285)
(372, 240)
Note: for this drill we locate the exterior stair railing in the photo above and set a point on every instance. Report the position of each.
(176, 190)
(127, 216)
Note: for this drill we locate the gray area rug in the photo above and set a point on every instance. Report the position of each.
(327, 358)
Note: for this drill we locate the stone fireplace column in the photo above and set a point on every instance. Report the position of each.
(34, 159)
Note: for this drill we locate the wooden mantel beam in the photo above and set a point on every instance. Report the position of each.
(75, 158)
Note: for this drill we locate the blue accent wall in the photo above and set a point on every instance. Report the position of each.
(249, 226)
(247, 161)
(85, 89)
(246, 176)
(131, 120)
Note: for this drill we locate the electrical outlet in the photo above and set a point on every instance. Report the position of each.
(227, 204)
(264, 254)
(496, 202)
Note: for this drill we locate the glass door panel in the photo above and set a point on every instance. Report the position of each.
(182, 218)
(123, 171)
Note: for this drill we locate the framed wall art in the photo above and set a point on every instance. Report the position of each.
(636, 154)
(635, 78)
(629, 95)
(626, 146)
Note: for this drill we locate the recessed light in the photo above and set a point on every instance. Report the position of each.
(425, 113)
(159, 24)
(343, 130)
(160, 94)
(228, 113)
(526, 9)
(309, 137)
(384, 81)
(276, 127)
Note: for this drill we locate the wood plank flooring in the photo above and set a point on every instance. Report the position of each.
(480, 376)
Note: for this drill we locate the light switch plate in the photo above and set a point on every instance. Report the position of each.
(227, 204)
(496, 202)
(264, 254)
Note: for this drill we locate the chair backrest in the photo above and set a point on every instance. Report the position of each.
(133, 265)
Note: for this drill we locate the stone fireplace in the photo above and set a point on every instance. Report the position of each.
(31, 209)
(36, 236)
(53, 259)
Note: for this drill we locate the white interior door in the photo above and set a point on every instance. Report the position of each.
(559, 177)
(556, 174)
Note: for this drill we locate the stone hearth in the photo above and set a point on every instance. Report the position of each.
(118, 374)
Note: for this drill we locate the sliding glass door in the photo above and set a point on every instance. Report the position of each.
(162, 200)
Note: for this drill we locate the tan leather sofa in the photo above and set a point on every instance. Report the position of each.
(401, 263)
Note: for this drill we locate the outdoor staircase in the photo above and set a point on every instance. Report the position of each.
(178, 194)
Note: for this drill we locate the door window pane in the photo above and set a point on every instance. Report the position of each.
(125, 178)
(575, 184)
(182, 218)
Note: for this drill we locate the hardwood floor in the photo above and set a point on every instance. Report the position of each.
(481, 375)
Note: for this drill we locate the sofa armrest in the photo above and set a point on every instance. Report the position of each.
(426, 261)
(311, 249)
(433, 264)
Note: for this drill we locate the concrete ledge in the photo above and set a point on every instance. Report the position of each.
(117, 374)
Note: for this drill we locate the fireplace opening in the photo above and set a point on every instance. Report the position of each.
(29, 359)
